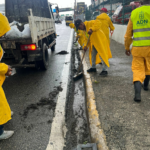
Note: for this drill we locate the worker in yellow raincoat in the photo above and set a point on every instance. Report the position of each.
(99, 49)
(106, 23)
(139, 28)
(5, 70)
(80, 36)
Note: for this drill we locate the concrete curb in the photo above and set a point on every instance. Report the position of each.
(97, 134)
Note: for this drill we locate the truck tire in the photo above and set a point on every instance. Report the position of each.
(53, 48)
(44, 63)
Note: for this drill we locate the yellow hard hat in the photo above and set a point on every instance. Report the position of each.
(4, 25)
(72, 25)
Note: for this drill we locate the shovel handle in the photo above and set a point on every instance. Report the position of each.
(83, 56)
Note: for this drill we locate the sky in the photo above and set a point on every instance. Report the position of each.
(63, 3)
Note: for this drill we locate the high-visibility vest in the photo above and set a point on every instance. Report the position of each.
(140, 18)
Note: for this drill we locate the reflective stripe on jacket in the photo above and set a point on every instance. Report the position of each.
(140, 18)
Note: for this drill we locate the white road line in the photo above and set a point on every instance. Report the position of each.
(58, 129)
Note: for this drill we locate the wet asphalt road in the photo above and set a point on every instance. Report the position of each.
(32, 123)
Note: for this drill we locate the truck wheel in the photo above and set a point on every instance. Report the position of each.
(45, 62)
(53, 48)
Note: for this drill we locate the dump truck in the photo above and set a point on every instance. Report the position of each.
(32, 51)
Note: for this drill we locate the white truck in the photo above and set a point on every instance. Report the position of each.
(33, 51)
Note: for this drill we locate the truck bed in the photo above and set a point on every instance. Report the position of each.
(36, 13)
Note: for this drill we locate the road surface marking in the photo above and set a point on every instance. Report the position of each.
(58, 129)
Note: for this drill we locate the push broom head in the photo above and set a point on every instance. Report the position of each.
(78, 76)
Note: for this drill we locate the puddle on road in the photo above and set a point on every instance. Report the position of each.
(62, 53)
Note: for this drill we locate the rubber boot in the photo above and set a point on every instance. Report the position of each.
(91, 70)
(137, 87)
(146, 83)
(103, 73)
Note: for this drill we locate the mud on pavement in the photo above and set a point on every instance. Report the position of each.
(76, 118)
(62, 53)
(44, 106)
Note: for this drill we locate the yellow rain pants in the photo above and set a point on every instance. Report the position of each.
(141, 56)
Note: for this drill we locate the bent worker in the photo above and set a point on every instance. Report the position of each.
(5, 70)
(139, 28)
(106, 23)
(80, 36)
(98, 46)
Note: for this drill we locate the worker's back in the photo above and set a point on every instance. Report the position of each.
(140, 18)
(106, 24)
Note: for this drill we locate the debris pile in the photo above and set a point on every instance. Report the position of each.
(18, 30)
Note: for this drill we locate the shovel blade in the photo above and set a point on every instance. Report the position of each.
(78, 76)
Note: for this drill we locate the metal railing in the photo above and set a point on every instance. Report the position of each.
(118, 10)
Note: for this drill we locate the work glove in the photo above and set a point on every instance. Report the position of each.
(128, 52)
(111, 32)
(9, 72)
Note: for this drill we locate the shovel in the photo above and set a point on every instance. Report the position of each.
(80, 74)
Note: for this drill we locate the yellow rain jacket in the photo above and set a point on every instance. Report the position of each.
(98, 40)
(82, 37)
(4, 25)
(72, 26)
(5, 112)
(106, 24)
(1, 53)
(79, 33)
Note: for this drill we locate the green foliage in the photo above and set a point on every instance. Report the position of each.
(85, 142)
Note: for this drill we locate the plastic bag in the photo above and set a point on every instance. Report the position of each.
(13, 23)
(26, 33)
(13, 33)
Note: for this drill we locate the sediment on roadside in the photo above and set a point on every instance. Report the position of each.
(97, 133)
(76, 115)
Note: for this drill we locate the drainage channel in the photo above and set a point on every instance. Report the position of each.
(78, 134)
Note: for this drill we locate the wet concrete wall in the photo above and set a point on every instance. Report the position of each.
(119, 33)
